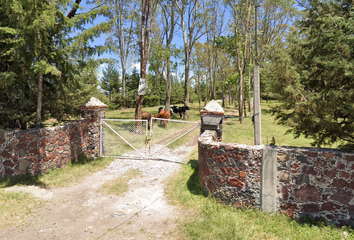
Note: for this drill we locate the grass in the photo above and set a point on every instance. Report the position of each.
(74, 172)
(16, 206)
(120, 185)
(205, 218)
(235, 132)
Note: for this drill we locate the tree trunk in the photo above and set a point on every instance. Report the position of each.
(240, 97)
(144, 53)
(168, 85)
(39, 102)
(123, 81)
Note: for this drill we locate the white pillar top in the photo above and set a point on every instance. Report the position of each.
(213, 106)
(94, 102)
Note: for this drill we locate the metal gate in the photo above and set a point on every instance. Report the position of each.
(123, 138)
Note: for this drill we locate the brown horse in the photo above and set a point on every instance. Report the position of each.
(163, 114)
(147, 116)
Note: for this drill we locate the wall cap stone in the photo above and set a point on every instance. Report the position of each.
(213, 106)
(93, 102)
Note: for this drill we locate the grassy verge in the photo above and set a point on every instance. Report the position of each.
(205, 218)
(16, 206)
(74, 172)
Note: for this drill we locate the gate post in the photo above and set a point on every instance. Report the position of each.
(212, 118)
(93, 111)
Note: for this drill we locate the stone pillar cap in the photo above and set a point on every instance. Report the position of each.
(213, 106)
(94, 102)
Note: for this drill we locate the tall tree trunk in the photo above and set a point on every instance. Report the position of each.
(169, 38)
(186, 87)
(199, 93)
(241, 60)
(39, 102)
(168, 85)
(144, 52)
(123, 82)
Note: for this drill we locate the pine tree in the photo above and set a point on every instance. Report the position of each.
(319, 95)
(110, 80)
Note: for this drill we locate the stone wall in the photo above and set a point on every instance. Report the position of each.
(35, 151)
(310, 181)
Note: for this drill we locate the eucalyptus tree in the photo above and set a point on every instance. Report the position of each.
(193, 24)
(122, 37)
(148, 10)
(199, 66)
(215, 23)
(241, 14)
(168, 26)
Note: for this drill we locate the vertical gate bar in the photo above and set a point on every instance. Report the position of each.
(146, 138)
(101, 137)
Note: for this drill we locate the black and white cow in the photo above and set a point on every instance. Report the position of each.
(181, 110)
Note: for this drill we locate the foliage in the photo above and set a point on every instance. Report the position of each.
(110, 81)
(318, 82)
(38, 42)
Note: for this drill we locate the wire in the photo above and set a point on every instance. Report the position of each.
(229, 116)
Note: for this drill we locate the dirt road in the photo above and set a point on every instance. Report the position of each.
(81, 212)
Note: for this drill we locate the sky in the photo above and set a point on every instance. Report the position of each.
(101, 40)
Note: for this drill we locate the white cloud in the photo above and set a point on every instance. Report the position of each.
(135, 65)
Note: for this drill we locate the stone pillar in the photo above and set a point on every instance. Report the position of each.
(213, 109)
(93, 111)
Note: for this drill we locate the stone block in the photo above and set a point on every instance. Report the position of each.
(302, 179)
(284, 176)
(282, 157)
(307, 193)
(23, 165)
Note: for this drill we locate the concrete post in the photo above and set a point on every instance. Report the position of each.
(269, 180)
(257, 108)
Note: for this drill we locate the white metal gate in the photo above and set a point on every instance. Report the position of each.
(137, 139)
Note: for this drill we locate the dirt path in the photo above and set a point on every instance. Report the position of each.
(81, 212)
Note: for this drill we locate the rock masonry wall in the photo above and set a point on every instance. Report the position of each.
(310, 181)
(35, 151)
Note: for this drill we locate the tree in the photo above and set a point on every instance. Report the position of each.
(37, 55)
(144, 52)
(110, 80)
(124, 16)
(40, 60)
(192, 23)
(318, 98)
(168, 30)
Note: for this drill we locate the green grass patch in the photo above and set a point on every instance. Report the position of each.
(205, 218)
(15, 207)
(235, 132)
(74, 172)
(120, 185)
